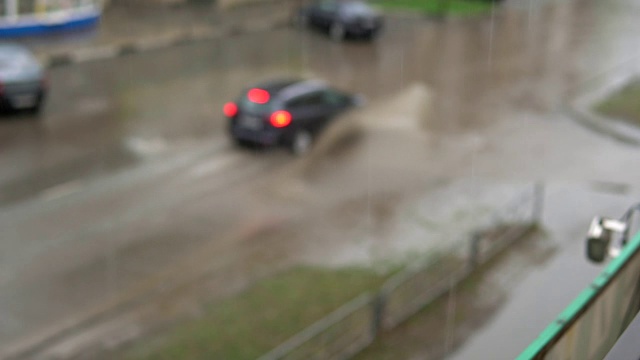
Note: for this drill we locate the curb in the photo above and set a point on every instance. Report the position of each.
(611, 127)
(202, 33)
(423, 15)
(580, 110)
(189, 36)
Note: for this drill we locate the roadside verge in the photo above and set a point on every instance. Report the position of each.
(582, 110)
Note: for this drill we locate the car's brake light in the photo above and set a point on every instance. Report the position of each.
(258, 96)
(230, 109)
(280, 119)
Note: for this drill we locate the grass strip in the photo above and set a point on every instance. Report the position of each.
(438, 7)
(255, 321)
(623, 104)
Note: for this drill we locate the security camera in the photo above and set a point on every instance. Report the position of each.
(599, 238)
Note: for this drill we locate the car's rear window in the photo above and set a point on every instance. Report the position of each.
(256, 108)
(16, 59)
(356, 8)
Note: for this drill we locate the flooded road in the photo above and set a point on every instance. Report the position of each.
(111, 114)
(128, 175)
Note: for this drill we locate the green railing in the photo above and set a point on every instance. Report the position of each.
(589, 327)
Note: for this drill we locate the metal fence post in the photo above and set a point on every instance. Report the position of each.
(379, 302)
(474, 251)
(538, 201)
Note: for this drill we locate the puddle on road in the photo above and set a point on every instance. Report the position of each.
(402, 226)
(359, 138)
(77, 170)
(372, 205)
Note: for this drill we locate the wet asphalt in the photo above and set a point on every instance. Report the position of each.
(128, 172)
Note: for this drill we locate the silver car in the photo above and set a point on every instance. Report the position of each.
(23, 81)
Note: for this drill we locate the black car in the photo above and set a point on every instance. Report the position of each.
(285, 112)
(341, 18)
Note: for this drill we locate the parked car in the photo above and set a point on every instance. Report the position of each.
(23, 81)
(286, 112)
(341, 18)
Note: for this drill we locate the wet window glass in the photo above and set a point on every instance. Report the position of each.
(333, 97)
(26, 7)
(354, 8)
(313, 99)
(253, 107)
(55, 5)
(329, 6)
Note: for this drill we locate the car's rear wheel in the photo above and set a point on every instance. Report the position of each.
(240, 143)
(36, 109)
(337, 31)
(301, 142)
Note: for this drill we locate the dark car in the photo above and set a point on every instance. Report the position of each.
(341, 18)
(285, 112)
(23, 82)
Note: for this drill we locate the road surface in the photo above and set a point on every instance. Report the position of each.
(128, 176)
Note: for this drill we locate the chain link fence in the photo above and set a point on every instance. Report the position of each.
(354, 326)
(408, 292)
(338, 336)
